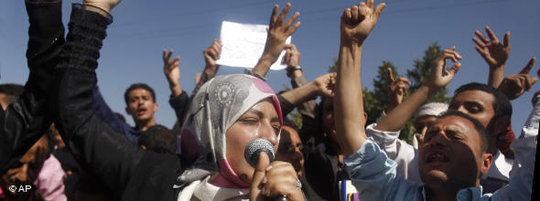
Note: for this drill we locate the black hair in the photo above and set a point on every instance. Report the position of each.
(287, 122)
(12, 91)
(482, 131)
(501, 105)
(139, 86)
(159, 139)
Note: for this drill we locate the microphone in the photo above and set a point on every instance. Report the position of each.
(253, 151)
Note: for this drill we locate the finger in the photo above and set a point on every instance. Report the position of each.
(293, 29)
(273, 18)
(533, 81)
(529, 66)
(526, 83)
(287, 56)
(170, 54)
(478, 42)
(175, 61)
(390, 75)
(212, 51)
(218, 52)
(481, 36)
(448, 54)
(362, 10)
(354, 12)
(481, 51)
(455, 68)
(458, 56)
(291, 47)
(404, 80)
(283, 14)
(293, 18)
(453, 51)
(369, 3)
(379, 9)
(507, 39)
(491, 35)
(347, 14)
(164, 53)
(259, 174)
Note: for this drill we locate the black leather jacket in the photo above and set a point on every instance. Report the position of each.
(25, 120)
(132, 173)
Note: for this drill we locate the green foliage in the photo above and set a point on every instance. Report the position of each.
(419, 74)
(381, 90)
(376, 100)
(296, 118)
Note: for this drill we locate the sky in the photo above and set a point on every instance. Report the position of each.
(142, 29)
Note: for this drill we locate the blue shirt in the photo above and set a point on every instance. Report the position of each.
(375, 176)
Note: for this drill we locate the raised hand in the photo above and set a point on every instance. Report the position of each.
(515, 85)
(212, 53)
(292, 56)
(278, 32)
(398, 88)
(172, 71)
(274, 179)
(106, 5)
(325, 84)
(292, 59)
(357, 22)
(440, 76)
(492, 50)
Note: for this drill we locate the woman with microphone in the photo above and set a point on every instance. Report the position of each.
(226, 114)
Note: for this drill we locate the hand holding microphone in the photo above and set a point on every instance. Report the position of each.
(275, 180)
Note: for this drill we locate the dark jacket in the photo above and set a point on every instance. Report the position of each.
(132, 173)
(26, 119)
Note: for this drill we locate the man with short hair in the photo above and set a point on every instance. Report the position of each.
(454, 154)
(141, 105)
(159, 139)
(493, 109)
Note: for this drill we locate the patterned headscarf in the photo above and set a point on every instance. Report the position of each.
(214, 109)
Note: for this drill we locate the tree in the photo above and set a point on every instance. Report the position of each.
(376, 100)
(381, 90)
(420, 73)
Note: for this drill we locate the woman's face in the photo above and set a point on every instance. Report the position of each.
(261, 121)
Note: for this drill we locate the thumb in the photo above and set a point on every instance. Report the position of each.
(258, 175)
(379, 9)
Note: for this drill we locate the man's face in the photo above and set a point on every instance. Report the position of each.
(479, 105)
(141, 105)
(422, 123)
(26, 170)
(476, 103)
(451, 155)
(290, 149)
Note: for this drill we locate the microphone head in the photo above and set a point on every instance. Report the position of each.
(254, 149)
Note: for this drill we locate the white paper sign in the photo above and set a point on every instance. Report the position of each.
(243, 45)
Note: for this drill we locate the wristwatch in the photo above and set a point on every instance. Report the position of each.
(292, 69)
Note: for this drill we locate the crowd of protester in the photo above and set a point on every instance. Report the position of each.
(59, 139)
